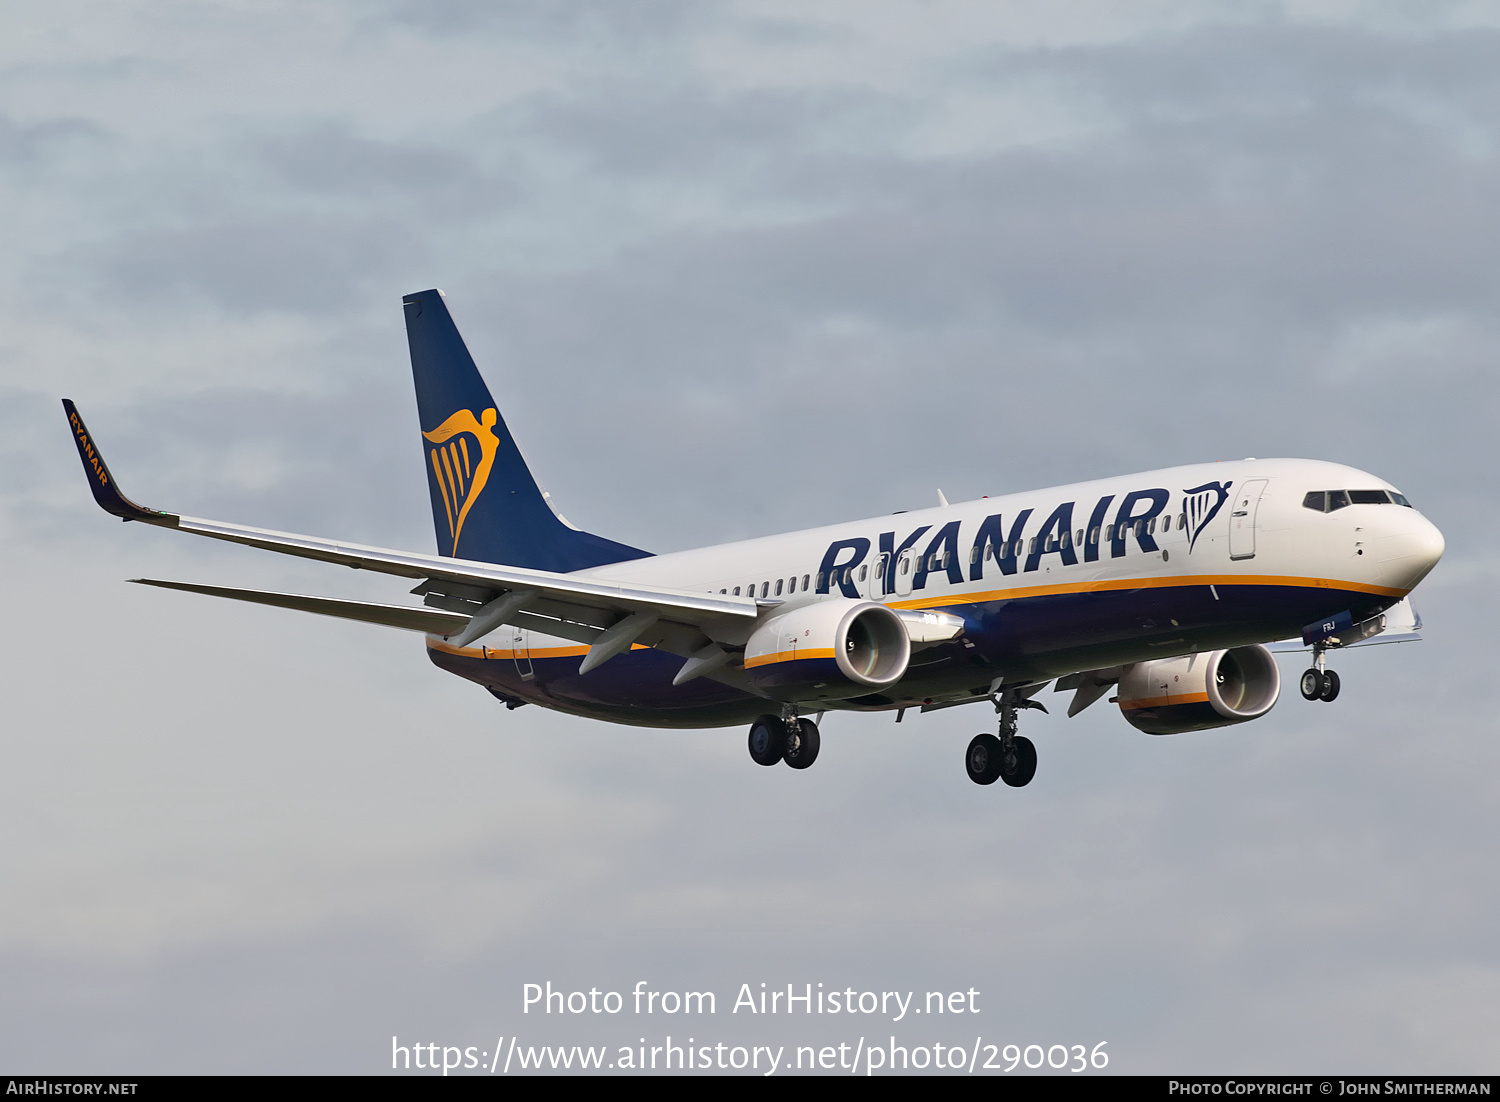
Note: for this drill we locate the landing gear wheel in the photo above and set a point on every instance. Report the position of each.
(1330, 686)
(767, 740)
(983, 759)
(1313, 684)
(802, 747)
(1018, 766)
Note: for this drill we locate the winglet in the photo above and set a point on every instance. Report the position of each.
(106, 492)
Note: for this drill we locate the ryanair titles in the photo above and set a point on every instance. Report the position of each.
(1012, 548)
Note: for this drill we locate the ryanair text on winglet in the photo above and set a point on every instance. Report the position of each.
(88, 450)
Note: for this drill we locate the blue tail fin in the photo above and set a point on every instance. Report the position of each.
(485, 503)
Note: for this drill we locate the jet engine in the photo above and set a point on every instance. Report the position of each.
(1200, 691)
(830, 650)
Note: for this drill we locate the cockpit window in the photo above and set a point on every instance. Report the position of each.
(1326, 501)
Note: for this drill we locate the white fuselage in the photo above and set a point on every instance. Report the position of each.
(1048, 582)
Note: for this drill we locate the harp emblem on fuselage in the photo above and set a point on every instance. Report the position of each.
(462, 451)
(1200, 505)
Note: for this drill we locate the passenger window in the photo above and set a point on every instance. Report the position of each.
(820, 579)
(864, 572)
(736, 591)
(905, 562)
(804, 582)
(1031, 550)
(1094, 534)
(765, 589)
(1181, 521)
(778, 587)
(1151, 527)
(721, 591)
(1067, 540)
(1166, 524)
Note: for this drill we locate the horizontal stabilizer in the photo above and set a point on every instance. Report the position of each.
(1401, 623)
(1292, 646)
(430, 620)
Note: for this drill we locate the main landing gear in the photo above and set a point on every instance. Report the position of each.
(1319, 683)
(1010, 757)
(789, 739)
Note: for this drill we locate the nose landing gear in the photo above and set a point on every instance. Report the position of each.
(1318, 683)
(1009, 757)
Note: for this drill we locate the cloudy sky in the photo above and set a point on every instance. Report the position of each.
(731, 268)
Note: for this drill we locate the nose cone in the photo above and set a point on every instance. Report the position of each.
(1407, 554)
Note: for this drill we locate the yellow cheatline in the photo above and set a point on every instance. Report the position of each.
(534, 652)
(787, 656)
(1164, 701)
(1175, 581)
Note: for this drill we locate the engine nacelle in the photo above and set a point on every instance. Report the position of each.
(1200, 691)
(829, 650)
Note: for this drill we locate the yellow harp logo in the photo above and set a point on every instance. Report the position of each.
(460, 473)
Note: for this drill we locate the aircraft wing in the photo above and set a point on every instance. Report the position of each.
(431, 620)
(610, 616)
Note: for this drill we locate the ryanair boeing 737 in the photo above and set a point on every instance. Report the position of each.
(1165, 586)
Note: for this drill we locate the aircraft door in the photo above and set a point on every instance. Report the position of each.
(1242, 519)
(905, 568)
(520, 644)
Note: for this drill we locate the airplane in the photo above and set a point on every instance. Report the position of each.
(1165, 586)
